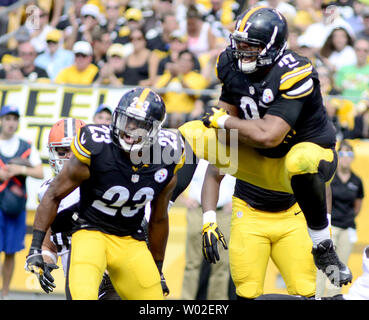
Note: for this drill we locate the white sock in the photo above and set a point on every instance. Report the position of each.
(318, 236)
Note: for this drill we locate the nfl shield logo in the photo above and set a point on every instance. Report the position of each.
(135, 178)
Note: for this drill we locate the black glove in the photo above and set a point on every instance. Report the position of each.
(164, 286)
(163, 282)
(210, 236)
(36, 264)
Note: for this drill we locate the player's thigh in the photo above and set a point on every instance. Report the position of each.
(292, 255)
(249, 250)
(132, 269)
(87, 264)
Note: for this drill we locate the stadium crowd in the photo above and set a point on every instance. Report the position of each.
(173, 44)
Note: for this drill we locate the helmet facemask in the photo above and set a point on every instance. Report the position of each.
(132, 130)
(55, 160)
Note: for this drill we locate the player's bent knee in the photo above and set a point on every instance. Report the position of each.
(305, 157)
(248, 290)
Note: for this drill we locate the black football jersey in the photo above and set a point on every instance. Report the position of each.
(113, 199)
(290, 90)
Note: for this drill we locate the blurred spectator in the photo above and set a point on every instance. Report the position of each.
(361, 122)
(153, 23)
(83, 70)
(28, 70)
(102, 115)
(338, 50)
(90, 14)
(40, 30)
(221, 16)
(11, 68)
(340, 111)
(55, 58)
(73, 16)
(111, 72)
(18, 159)
(134, 20)
(137, 66)
(288, 10)
(307, 13)
(347, 196)
(101, 41)
(353, 80)
(365, 32)
(316, 34)
(113, 20)
(177, 43)
(199, 34)
(356, 21)
(160, 43)
(178, 76)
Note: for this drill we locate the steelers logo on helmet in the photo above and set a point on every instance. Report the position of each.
(137, 119)
(259, 39)
(60, 137)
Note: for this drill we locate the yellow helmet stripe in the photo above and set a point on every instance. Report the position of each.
(142, 98)
(247, 16)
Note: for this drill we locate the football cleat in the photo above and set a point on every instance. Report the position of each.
(326, 260)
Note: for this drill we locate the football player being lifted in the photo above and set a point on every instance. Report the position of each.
(271, 99)
(118, 170)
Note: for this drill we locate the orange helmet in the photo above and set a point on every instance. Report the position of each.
(61, 135)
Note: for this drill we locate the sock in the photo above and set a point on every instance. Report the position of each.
(318, 236)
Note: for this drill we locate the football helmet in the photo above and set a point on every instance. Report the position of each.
(263, 29)
(61, 135)
(137, 119)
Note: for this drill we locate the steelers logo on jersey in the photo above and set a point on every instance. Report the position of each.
(161, 175)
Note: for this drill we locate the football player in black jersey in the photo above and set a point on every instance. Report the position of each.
(271, 98)
(118, 169)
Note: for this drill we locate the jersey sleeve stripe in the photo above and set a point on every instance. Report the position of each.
(301, 89)
(79, 153)
(291, 78)
(299, 96)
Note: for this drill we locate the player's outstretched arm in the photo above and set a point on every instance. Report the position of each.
(71, 176)
(159, 229)
(210, 231)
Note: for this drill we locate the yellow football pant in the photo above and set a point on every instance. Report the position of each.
(131, 267)
(247, 164)
(282, 236)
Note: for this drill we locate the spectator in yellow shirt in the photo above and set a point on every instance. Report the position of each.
(181, 106)
(82, 71)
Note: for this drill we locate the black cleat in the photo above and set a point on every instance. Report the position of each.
(326, 259)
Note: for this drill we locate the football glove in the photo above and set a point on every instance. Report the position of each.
(35, 264)
(215, 118)
(164, 287)
(210, 236)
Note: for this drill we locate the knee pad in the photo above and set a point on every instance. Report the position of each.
(309, 158)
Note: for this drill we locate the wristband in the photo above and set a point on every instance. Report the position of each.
(24, 170)
(37, 239)
(221, 121)
(50, 255)
(209, 217)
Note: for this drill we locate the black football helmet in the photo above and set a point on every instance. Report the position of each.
(261, 27)
(137, 119)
